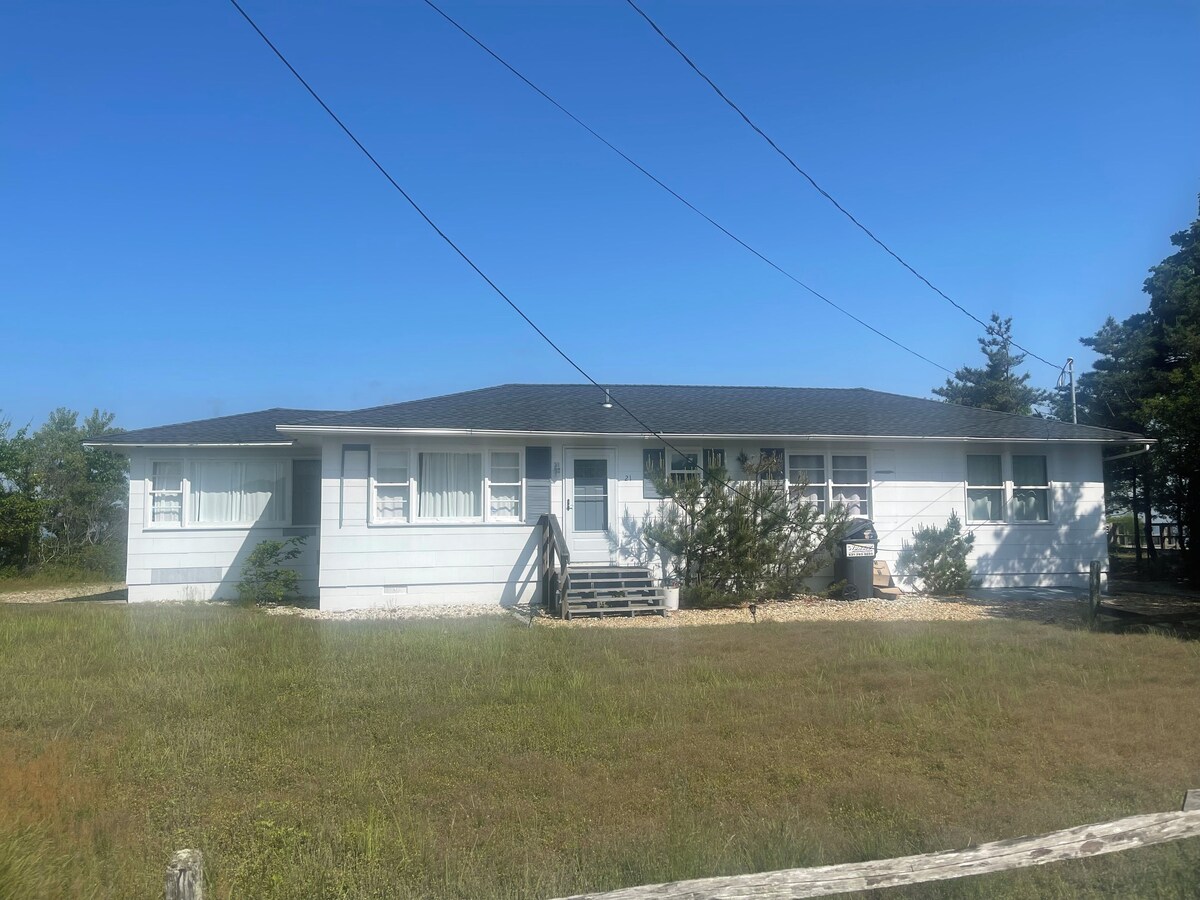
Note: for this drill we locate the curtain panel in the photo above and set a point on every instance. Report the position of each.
(450, 485)
(236, 492)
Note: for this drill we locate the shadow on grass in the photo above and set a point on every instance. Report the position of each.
(120, 595)
(1124, 611)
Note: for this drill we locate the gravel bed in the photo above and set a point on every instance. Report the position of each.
(910, 608)
(449, 611)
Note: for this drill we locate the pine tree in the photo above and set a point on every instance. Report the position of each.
(996, 385)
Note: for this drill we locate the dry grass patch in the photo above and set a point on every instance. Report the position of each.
(480, 759)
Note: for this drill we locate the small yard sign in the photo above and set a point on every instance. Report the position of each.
(867, 550)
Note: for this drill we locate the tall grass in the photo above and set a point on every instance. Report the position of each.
(480, 759)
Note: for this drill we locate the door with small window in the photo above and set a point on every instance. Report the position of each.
(589, 504)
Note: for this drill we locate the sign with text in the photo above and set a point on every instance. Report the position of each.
(867, 550)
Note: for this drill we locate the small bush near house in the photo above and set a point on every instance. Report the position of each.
(732, 541)
(264, 578)
(938, 556)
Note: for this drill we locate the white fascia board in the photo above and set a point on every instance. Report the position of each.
(451, 432)
(643, 435)
(118, 446)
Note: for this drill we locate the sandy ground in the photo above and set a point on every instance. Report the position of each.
(107, 591)
(1040, 606)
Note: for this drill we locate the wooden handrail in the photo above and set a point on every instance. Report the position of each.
(554, 543)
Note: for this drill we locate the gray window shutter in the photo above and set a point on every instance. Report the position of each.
(654, 465)
(537, 483)
(306, 492)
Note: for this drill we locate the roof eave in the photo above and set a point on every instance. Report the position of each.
(684, 436)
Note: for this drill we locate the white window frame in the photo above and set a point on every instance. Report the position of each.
(186, 518)
(829, 485)
(1045, 489)
(414, 518)
(378, 453)
(865, 483)
(519, 484)
(151, 493)
(794, 487)
(1008, 489)
(675, 475)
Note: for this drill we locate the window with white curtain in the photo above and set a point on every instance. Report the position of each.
(450, 485)
(828, 481)
(236, 492)
(850, 486)
(392, 488)
(166, 493)
(985, 488)
(806, 477)
(504, 485)
(1031, 489)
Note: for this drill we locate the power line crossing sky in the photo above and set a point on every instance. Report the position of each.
(190, 236)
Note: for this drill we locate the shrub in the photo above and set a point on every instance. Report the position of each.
(745, 540)
(938, 556)
(264, 577)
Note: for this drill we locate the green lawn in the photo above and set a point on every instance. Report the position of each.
(480, 759)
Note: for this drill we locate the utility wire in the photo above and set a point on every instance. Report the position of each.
(706, 473)
(582, 124)
(820, 190)
(413, 203)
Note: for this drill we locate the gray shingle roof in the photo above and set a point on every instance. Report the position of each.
(686, 409)
(243, 428)
(670, 409)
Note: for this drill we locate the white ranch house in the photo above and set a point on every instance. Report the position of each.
(450, 499)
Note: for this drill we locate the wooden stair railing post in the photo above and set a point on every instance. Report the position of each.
(1093, 590)
(556, 557)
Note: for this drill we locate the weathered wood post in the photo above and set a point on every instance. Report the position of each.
(185, 876)
(1093, 590)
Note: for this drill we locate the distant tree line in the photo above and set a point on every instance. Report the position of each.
(1146, 379)
(62, 506)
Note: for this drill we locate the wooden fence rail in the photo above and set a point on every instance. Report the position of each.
(998, 856)
(185, 875)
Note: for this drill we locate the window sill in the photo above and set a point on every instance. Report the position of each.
(1020, 522)
(437, 523)
(246, 526)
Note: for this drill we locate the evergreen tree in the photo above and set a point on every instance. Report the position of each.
(1171, 410)
(996, 385)
(1145, 380)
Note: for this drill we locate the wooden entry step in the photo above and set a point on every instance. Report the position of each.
(612, 590)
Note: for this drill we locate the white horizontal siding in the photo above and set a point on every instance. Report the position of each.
(431, 563)
(913, 483)
(161, 549)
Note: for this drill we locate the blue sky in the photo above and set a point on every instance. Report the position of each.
(185, 234)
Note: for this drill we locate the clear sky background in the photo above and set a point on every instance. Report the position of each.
(185, 233)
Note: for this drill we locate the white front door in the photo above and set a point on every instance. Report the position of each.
(590, 501)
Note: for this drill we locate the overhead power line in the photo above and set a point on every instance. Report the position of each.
(820, 190)
(621, 153)
(608, 395)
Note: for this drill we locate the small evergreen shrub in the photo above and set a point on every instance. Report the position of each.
(265, 580)
(729, 542)
(938, 556)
